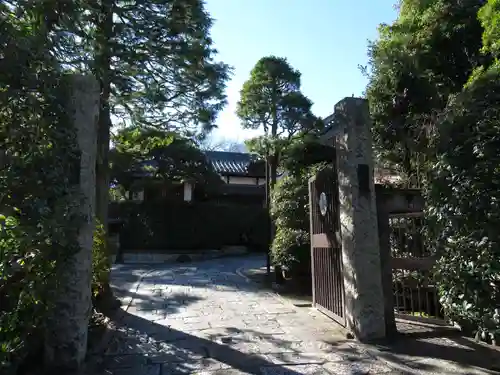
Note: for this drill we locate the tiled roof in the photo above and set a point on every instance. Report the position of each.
(231, 163)
(223, 162)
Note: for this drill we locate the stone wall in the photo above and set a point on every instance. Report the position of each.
(148, 257)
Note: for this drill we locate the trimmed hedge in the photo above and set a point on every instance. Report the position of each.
(291, 248)
(192, 226)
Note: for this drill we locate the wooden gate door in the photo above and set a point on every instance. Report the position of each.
(326, 251)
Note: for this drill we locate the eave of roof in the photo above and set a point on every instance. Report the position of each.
(234, 163)
(224, 163)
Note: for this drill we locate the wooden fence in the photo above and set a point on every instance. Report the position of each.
(407, 260)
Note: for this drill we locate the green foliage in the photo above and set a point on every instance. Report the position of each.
(117, 192)
(38, 200)
(291, 249)
(489, 15)
(296, 153)
(289, 209)
(464, 205)
(271, 99)
(100, 260)
(290, 212)
(155, 60)
(434, 93)
(305, 151)
(169, 77)
(262, 145)
(139, 141)
(156, 65)
(192, 226)
(425, 56)
(290, 200)
(21, 310)
(144, 156)
(266, 95)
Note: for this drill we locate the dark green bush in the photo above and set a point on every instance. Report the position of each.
(39, 201)
(100, 260)
(192, 226)
(291, 249)
(464, 205)
(290, 212)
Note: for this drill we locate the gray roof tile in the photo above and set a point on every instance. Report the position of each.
(231, 163)
(224, 163)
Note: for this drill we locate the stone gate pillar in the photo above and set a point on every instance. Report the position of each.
(66, 335)
(364, 296)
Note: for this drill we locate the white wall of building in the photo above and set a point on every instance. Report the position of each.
(188, 192)
(242, 180)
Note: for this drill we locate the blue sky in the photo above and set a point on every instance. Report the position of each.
(325, 39)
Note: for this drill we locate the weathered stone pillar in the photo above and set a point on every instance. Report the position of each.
(364, 296)
(66, 338)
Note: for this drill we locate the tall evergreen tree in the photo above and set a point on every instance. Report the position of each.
(155, 62)
(416, 63)
(271, 100)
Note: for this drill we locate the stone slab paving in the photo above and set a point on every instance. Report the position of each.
(204, 318)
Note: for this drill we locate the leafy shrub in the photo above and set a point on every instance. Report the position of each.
(39, 223)
(100, 260)
(290, 212)
(489, 15)
(291, 249)
(21, 310)
(464, 206)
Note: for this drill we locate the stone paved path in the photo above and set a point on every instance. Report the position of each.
(203, 318)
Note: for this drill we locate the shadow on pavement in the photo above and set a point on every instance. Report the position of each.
(416, 347)
(142, 347)
(440, 350)
(144, 343)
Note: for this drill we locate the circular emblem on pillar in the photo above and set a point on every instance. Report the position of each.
(323, 204)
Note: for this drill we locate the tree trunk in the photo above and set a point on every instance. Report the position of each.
(103, 71)
(274, 170)
(67, 323)
(274, 176)
(102, 168)
(274, 157)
